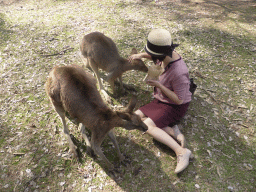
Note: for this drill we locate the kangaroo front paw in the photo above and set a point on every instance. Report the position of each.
(90, 152)
(121, 158)
(73, 152)
(114, 172)
(126, 161)
(129, 87)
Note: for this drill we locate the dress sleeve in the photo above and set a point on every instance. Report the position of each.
(181, 86)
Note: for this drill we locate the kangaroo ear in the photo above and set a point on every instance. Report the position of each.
(134, 51)
(123, 115)
(131, 104)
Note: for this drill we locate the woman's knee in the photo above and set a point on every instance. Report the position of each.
(169, 130)
(139, 112)
(150, 123)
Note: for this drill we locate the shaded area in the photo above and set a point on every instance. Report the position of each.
(30, 140)
(5, 32)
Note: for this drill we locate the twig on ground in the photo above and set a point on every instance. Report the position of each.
(218, 170)
(198, 74)
(19, 154)
(243, 125)
(58, 53)
(210, 95)
(218, 100)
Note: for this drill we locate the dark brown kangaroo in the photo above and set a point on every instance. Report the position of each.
(100, 52)
(72, 90)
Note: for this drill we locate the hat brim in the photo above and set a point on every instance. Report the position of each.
(152, 53)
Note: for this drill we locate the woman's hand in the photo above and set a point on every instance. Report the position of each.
(170, 94)
(133, 57)
(153, 83)
(138, 56)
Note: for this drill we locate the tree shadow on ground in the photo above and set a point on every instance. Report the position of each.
(143, 167)
(5, 33)
(217, 150)
(28, 166)
(47, 166)
(145, 171)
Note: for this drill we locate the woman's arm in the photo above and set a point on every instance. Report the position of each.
(170, 94)
(139, 56)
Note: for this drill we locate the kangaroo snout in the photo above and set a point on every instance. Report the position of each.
(144, 127)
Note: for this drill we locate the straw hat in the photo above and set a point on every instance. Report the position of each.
(159, 42)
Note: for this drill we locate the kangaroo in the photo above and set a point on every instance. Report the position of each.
(72, 90)
(99, 51)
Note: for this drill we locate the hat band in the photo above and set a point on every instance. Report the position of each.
(157, 48)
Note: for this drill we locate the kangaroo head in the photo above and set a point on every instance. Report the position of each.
(138, 63)
(130, 119)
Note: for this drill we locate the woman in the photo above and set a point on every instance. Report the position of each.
(171, 95)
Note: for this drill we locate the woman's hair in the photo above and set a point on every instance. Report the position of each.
(159, 58)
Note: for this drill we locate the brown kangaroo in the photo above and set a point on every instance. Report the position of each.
(72, 90)
(99, 51)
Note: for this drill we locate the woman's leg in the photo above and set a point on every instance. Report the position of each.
(142, 116)
(183, 154)
(175, 133)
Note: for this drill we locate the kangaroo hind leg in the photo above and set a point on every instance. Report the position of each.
(72, 146)
(113, 139)
(88, 144)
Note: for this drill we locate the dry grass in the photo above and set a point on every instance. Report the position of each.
(217, 41)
